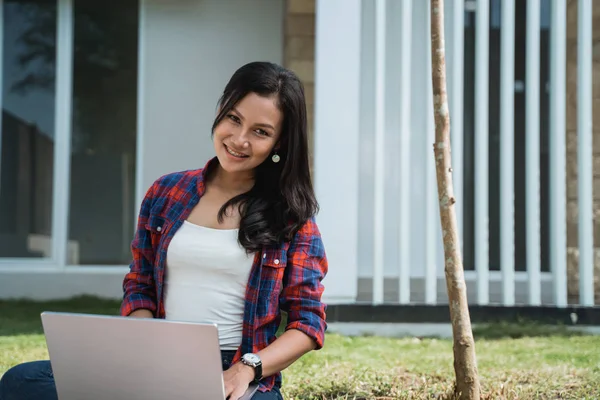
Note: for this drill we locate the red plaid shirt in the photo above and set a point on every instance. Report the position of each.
(286, 278)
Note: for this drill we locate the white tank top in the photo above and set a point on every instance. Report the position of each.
(206, 277)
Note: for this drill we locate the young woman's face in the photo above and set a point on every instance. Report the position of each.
(248, 134)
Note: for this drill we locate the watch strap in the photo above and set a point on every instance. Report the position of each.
(257, 368)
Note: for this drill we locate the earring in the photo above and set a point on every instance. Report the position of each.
(275, 158)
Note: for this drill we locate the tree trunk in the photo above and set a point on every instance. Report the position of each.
(465, 362)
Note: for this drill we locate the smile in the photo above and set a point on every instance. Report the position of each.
(234, 153)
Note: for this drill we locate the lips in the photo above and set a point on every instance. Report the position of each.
(234, 153)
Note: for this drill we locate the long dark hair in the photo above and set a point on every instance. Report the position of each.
(282, 198)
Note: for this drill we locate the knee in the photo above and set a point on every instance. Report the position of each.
(16, 382)
(10, 382)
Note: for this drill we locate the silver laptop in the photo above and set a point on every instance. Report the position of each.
(122, 358)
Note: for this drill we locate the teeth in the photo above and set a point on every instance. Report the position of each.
(233, 153)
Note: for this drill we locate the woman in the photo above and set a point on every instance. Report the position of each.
(233, 243)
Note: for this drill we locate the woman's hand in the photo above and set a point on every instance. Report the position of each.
(237, 379)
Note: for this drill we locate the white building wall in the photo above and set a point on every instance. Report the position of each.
(190, 50)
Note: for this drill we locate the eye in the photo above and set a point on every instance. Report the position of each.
(261, 132)
(233, 118)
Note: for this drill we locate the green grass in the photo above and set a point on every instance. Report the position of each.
(525, 361)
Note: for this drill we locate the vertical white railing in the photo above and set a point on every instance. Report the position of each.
(404, 109)
(557, 144)
(558, 163)
(507, 154)
(379, 192)
(62, 131)
(432, 216)
(585, 153)
(532, 146)
(456, 82)
(481, 151)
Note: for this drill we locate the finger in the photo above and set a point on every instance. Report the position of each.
(228, 390)
(236, 394)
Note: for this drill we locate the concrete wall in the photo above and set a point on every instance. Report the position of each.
(190, 50)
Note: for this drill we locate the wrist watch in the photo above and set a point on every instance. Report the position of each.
(253, 360)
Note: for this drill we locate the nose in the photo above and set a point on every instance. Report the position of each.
(240, 139)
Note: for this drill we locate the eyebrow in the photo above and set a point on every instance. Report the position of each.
(259, 124)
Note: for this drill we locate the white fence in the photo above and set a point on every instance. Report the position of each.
(392, 90)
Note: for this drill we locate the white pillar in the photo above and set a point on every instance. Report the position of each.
(426, 244)
(532, 171)
(140, 183)
(482, 152)
(507, 153)
(405, 112)
(62, 132)
(455, 32)
(432, 216)
(380, 130)
(558, 196)
(585, 153)
(337, 84)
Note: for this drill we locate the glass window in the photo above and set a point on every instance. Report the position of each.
(28, 34)
(103, 153)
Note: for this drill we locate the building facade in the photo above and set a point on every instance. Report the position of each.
(110, 96)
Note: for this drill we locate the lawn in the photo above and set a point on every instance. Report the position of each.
(515, 362)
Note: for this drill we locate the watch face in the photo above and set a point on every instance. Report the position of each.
(252, 358)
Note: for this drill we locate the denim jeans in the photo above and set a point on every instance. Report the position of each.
(34, 381)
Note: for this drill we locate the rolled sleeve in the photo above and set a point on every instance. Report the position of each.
(302, 285)
(138, 285)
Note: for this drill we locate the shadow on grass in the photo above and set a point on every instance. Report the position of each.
(22, 317)
(522, 329)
